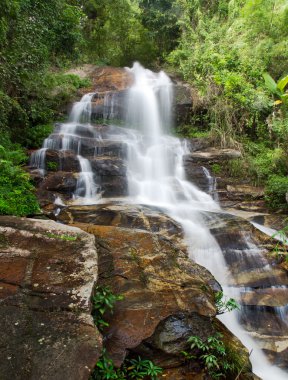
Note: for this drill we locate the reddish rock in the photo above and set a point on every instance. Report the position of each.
(156, 279)
(47, 274)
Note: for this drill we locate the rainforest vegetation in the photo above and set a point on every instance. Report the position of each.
(234, 54)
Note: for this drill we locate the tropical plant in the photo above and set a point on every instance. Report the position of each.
(137, 368)
(102, 301)
(223, 304)
(278, 88)
(212, 354)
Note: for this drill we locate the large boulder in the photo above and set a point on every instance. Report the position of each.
(47, 275)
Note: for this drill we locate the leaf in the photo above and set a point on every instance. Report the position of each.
(282, 83)
(271, 84)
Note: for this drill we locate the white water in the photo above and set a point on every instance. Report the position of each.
(69, 139)
(156, 177)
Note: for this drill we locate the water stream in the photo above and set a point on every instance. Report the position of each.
(156, 177)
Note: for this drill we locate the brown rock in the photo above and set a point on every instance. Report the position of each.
(156, 279)
(47, 273)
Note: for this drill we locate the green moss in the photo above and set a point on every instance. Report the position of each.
(62, 237)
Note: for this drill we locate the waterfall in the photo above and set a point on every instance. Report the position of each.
(156, 177)
(68, 138)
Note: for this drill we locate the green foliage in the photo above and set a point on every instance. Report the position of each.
(213, 355)
(62, 237)
(114, 33)
(216, 168)
(52, 166)
(278, 88)
(16, 191)
(103, 301)
(281, 247)
(36, 135)
(276, 190)
(223, 304)
(225, 47)
(160, 18)
(131, 369)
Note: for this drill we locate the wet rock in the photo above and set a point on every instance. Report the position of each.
(122, 215)
(196, 174)
(182, 103)
(196, 144)
(156, 279)
(47, 273)
(62, 182)
(108, 166)
(113, 82)
(66, 161)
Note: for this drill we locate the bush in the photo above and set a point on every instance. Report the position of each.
(276, 190)
(36, 135)
(16, 192)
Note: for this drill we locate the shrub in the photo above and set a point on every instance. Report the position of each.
(276, 190)
(36, 135)
(215, 357)
(16, 191)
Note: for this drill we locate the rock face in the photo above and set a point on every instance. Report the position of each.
(167, 297)
(262, 284)
(47, 274)
(111, 84)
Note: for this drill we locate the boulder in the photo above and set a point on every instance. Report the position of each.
(47, 275)
(59, 160)
(61, 182)
(123, 215)
(212, 155)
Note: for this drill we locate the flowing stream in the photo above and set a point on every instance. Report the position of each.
(156, 177)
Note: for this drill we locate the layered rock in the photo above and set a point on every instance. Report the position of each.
(167, 297)
(47, 274)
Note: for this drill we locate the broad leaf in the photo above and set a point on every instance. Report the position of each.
(282, 83)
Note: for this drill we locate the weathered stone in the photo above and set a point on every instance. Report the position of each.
(244, 192)
(62, 182)
(182, 103)
(66, 161)
(122, 215)
(108, 166)
(156, 279)
(47, 274)
(214, 155)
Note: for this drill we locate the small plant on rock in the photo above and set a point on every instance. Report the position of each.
(212, 354)
(223, 304)
(130, 369)
(103, 300)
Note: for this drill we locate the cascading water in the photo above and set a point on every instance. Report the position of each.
(156, 177)
(69, 138)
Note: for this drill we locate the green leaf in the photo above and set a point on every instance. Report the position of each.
(282, 83)
(271, 84)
